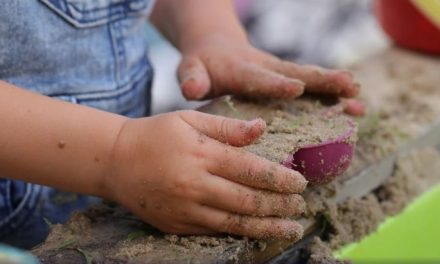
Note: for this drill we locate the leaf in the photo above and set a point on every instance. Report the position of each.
(369, 125)
(66, 243)
(48, 222)
(297, 122)
(231, 106)
(136, 234)
(86, 255)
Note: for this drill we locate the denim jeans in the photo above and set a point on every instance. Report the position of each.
(88, 52)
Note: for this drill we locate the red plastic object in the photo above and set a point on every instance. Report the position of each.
(408, 26)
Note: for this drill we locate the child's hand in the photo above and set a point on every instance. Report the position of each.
(184, 173)
(216, 65)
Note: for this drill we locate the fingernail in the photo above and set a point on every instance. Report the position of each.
(294, 231)
(348, 73)
(354, 107)
(293, 88)
(301, 89)
(185, 78)
(297, 204)
(356, 89)
(302, 207)
(297, 183)
(193, 89)
(300, 86)
(253, 122)
(303, 183)
(255, 129)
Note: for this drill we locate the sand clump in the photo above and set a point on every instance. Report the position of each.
(290, 124)
(321, 253)
(110, 234)
(287, 133)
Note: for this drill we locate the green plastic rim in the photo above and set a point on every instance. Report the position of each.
(410, 237)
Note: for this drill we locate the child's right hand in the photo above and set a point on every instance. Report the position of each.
(185, 173)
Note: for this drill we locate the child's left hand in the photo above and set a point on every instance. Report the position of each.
(216, 65)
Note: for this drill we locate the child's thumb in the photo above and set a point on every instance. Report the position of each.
(194, 78)
(230, 131)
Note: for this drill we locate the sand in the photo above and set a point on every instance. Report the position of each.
(403, 100)
(414, 173)
(109, 234)
(290, 126)
(400, 91)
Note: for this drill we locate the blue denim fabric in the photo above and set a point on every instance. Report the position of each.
(89, 52)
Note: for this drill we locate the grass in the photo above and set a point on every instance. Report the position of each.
(369, 125)
(231, 106)
(48, 222)
(378, 132)
(66, 243)
(297, 122)
(136, 234)
(88, 257)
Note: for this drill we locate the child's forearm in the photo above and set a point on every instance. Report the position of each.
(186, 22)
(54, 143)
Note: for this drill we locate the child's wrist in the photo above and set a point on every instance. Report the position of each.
(109, 162)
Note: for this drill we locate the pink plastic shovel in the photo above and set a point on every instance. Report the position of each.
(320, 163)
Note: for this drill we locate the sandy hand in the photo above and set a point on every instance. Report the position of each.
(185, 173)
(217, 66)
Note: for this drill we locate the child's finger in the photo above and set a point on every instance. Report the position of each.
(350, 106)
(317, 79)
(230, 131)
(251, 170)
(194, 78)
(254, 227)
(233, 197)
(252, 80)
(353, 107)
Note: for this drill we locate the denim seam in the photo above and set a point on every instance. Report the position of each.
(9, 194)
(121, 90)
(127, 107)
(127, 89)
(115, 55)
(106, 7)
(94, 22)
(145, 71)
(118, 50)
(134, 103)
